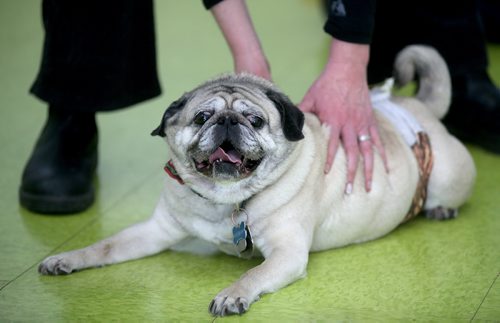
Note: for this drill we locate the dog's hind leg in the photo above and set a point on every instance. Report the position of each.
(441, 213)
(452, 177)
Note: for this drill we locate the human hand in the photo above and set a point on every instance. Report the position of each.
(341, 99)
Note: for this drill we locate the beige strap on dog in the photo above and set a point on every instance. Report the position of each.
(423, 154)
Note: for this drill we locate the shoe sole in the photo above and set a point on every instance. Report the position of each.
(56, 204)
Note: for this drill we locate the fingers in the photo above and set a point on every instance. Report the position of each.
(366, 143)
(354, 145)
(307, 104)
(350, 142)
(367, 152)
(333, 145)
(379, 146)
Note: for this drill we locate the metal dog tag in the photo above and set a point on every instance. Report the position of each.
(242, 240)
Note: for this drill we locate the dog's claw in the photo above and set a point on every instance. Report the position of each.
(441, 213)
(225, 305)
(55, 266)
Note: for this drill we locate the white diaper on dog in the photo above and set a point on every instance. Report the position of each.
(402, 120)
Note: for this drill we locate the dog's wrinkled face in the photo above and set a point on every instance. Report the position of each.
(228, 145)
(231, 128)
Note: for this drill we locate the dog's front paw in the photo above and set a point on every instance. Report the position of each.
(55, 265)
(227, 305)
(232, 300)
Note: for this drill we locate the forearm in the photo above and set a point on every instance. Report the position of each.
(235, 23)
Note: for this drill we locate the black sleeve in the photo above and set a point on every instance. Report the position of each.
(210, 3)
(351, 20)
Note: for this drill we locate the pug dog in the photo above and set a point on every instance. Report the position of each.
(247, 178)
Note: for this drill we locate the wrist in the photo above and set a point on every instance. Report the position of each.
(348, 57)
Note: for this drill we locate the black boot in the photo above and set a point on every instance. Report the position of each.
(474, 114)
(58, 176)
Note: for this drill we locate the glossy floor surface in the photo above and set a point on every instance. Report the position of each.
(424, 271)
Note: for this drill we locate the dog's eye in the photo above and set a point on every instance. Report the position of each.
(202, 117)
(255, 121)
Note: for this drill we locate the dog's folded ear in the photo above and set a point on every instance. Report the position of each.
(172, 110)
(292, 119)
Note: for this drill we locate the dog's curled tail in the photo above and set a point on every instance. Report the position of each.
(434, 84)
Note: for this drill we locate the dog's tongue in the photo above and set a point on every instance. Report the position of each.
(231, 156)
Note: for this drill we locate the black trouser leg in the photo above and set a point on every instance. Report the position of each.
(97, 55)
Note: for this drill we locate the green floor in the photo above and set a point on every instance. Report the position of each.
(424, 271)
